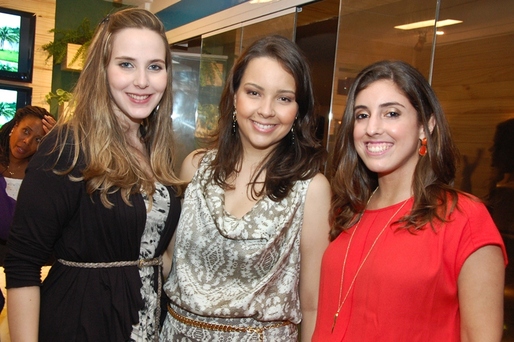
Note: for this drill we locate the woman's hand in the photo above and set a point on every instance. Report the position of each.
(48, 123)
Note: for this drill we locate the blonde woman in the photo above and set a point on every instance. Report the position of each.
(100, 195)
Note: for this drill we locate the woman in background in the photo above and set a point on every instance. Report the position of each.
(100, 194)
(411, 257)
(255, 220)
(19, 140)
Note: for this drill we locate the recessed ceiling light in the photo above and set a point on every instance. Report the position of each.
(428, 23)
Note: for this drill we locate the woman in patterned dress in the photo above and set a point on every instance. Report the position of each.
(101, 196)
(255, 214)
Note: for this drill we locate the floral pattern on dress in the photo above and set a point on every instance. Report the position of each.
(155, 221)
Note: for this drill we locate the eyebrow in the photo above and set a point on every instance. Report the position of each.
(382, 105)
(27, 127)
(280, 91)
(126, 58)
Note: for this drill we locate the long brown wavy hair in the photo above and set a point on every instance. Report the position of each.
(289, 161)
(94, 127)
(352, 182)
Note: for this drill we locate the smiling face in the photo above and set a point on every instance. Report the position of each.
(266, 104)
(386, 130)
(25, 137)
(137, 73)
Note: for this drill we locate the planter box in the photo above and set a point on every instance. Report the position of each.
(71, 51)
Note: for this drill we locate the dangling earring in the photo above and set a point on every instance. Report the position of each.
(423, 148)
(292, 130)
(234, 120)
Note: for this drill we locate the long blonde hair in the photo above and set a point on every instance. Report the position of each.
(95, 129)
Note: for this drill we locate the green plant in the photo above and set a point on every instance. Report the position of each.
(60, 95)
(81, 35)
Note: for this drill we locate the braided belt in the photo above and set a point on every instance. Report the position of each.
(225, 328)
(139, 263)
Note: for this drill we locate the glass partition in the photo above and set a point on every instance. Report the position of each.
(474, 79)
(467, 57)
(468, 62)
(367, 34)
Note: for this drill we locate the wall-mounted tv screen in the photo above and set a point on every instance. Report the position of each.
(13, 97)
(17, 34)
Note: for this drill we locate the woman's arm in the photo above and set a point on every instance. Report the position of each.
(480, 286)
(314, 241)
(23, 313)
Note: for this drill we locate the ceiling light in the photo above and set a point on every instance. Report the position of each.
(428, 23)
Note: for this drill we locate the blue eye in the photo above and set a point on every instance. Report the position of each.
(155, 67)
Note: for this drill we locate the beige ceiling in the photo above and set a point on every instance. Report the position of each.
(375, 19)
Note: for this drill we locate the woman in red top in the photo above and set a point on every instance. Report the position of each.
(411, 258)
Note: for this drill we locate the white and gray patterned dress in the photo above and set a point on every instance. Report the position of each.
(155, 222)
(239, 272)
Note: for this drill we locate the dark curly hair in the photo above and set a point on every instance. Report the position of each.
(6, 129)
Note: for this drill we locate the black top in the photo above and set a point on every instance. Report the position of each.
(55, 215)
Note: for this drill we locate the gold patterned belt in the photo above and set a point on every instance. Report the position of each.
(226, 328)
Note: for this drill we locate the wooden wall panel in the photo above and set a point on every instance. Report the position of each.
(45, 21)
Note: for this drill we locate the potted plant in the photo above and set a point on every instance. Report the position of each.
(58, 49)
(61, 96)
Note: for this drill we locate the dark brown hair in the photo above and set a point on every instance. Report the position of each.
(288, 162)
(352, 182)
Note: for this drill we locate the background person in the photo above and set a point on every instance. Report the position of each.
(19, 140)
(255, 214)
(500, 200)
(100, 194)
(501, 197)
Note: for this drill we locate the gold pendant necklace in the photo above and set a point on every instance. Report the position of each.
(363, 261)
(8, 169)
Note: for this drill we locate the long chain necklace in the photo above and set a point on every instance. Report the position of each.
(363, 261)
